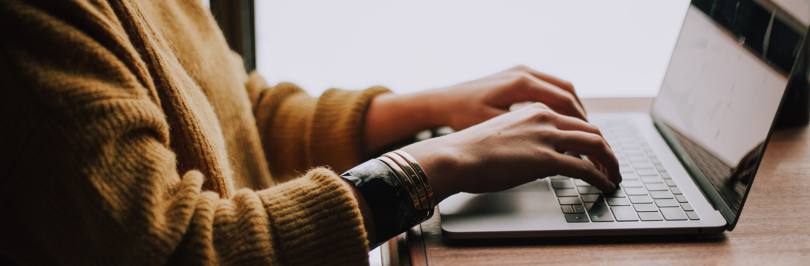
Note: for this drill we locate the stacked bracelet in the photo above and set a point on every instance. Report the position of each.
(408, 172)
(397, 191)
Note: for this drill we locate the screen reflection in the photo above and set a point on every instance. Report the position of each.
(723, 87)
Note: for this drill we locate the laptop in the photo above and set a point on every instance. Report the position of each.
(688, 165)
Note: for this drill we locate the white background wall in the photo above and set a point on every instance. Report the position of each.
(616, 48)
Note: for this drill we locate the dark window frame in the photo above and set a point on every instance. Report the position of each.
(236, 20)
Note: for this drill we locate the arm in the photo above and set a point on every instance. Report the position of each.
(90, 175)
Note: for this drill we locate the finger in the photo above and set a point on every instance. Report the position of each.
(565, 85)
(519, 105)
(568, 123)
(581, 169)
(594, 147)
(555, 97)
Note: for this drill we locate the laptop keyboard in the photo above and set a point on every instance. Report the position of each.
(646, 193)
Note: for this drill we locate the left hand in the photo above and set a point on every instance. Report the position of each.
(473, 102)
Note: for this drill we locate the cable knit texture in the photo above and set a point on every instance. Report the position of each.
(131, 135)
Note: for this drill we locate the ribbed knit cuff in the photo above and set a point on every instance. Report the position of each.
(316, 221)
(337, 127)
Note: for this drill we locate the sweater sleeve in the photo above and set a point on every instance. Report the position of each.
(300, 132)
(89, 178)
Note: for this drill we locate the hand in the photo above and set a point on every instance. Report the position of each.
(515, 148)
(391, 118)
(470, 103)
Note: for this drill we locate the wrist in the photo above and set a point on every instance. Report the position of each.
(434, 106)
(392, 118)
(441, 163)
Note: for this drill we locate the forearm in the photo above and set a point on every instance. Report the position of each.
(392, 118)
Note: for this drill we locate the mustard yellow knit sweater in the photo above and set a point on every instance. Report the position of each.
(131, 135)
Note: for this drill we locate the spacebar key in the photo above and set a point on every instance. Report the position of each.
(600, 212)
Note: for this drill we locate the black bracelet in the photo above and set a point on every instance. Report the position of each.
(390, 202)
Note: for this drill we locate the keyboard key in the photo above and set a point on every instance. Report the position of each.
(673, 214)
(635, 191)
(559, 177)
(600, 212)
(641, 199)
(618, 193)
(578, 208)
(660, 168)
(665, 175)
(639, 160)
(561, 184)
(580, 183)
(631, 183)
(647, 172)
(567, 209)
(625, 170)
(569, 200)
(676, 191)
(590, 198)
(649, 216)
(671, 183)
(631, 153)
(624, 214)
(651, 179)
(657, 187)
(566, 192)
(661, 194)
(629, 176)
(687, 207)
(662, 203)
(681, 198)
(644, 207)
(646, 148)
(692, 216)
(588, 190)
(618, 202)
(576, 218)
(643, 165)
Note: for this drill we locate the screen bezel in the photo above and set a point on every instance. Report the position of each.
(705, 186)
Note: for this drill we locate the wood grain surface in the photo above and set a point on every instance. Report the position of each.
(774, 227)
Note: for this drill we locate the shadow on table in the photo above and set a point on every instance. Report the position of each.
(584, 240)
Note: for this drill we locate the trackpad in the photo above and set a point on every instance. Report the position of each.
(520, 199)
(534, 186)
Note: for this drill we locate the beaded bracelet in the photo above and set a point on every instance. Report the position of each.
(397, 191)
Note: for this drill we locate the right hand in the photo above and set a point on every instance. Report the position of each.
(516, 148)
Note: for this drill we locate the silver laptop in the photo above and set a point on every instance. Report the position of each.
(687, 166)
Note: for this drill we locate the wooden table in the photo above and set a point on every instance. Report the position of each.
(774, 227)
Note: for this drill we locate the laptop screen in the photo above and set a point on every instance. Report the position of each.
(722, 91)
